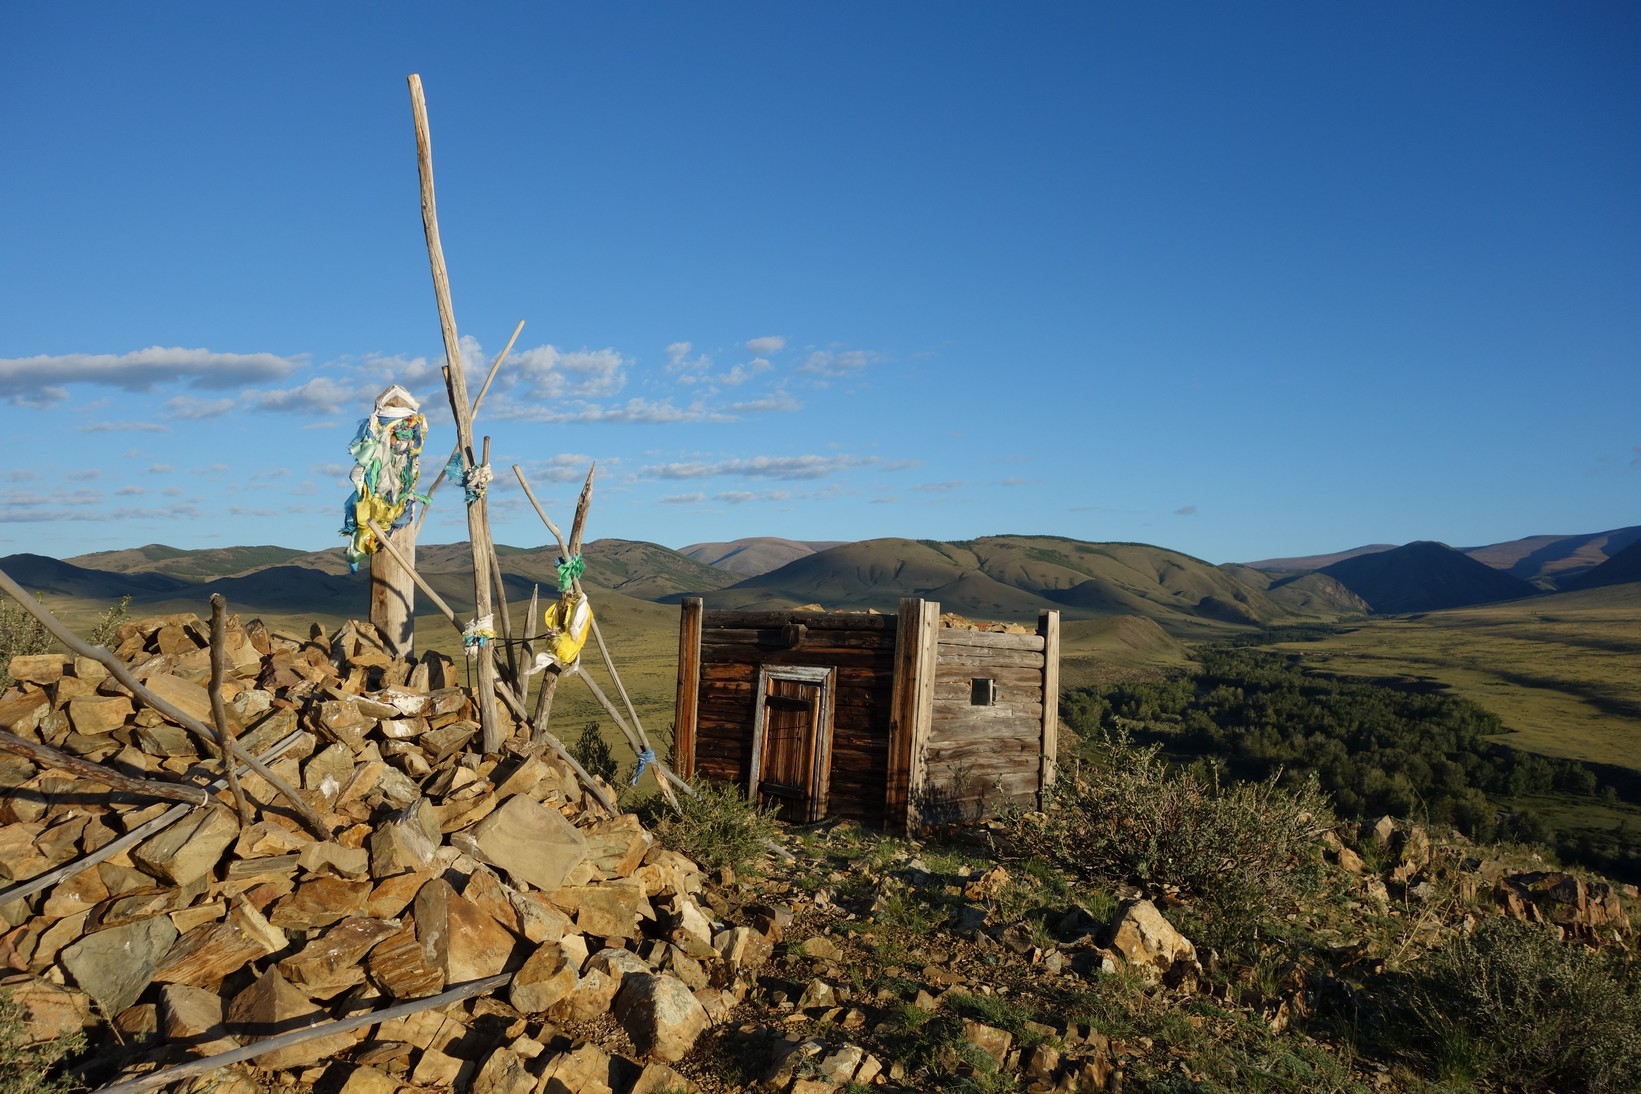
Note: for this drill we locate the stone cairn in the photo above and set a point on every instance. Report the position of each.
(460, 922)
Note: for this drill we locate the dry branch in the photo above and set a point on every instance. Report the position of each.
(46, 756)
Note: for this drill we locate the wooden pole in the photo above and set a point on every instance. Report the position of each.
(461, 410)
(1048, 625)
(686, 707)
(392, 596)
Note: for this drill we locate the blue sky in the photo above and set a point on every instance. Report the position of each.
(1240, 280)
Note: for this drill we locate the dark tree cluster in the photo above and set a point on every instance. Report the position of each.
(1375, 748)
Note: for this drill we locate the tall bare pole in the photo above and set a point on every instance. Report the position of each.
(460, 409)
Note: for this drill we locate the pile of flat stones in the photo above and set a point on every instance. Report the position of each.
(439, 867)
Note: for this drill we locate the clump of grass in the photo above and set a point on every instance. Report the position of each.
(716, 826)
(1512, 1003)
(1242, 852)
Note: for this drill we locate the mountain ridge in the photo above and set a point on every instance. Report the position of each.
(1011, 577)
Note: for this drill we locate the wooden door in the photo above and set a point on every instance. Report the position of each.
(791, 753)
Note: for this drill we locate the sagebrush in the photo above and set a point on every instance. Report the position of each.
(1513, 1004)
(716, 826)
(32, 1067)
(20, 635)
(1240, 852)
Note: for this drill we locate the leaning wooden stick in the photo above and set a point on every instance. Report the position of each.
(188, 722)
(477, 399)
(639, 740)
(155, 1079)
(219, 709)
(632, 739)
(504, 619)
(528, 647)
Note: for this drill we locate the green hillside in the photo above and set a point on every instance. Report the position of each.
(201, 565)
(1015, 577)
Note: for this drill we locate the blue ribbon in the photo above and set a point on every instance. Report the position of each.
(645, 758)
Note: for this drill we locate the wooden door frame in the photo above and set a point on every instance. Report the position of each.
(820, 774)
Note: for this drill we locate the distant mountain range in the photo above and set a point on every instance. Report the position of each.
(994, 577)
(1548, 562)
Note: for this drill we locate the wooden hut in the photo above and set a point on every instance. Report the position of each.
(893, 720)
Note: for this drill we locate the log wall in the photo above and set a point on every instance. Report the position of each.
(908, 746)
(979, 758)
(730, 648)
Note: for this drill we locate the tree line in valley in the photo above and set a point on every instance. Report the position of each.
(1376, 749)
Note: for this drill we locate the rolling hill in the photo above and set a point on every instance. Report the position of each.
(1623, 567)
(1424, 577)
(1007, 577)
(1555, 561)
(1015, 577)
(756, 554)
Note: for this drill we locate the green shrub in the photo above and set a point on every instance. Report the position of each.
(717, 826)
(1240, 852)
(592, 751)
(1511, 1003)
(20, 634)
(32, 1068)
(103, 633)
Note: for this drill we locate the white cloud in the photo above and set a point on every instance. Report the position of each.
(768, 467)
(679, 363)
(568, 467)
(773, 402)
(188, 408)
(320, 395)
(1186, 511)
(160, 469)
(547, 372)
(939, 487)
(763, 347)
(633, 410)
(832, 364)
(741, 497)
(84, 474)
(81, 510)
(130, 492)
(122, 427)
(683, 499)
(740, 374)
(42, 380)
